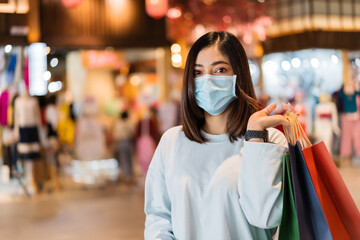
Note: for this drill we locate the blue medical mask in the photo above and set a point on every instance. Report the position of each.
(214, 93)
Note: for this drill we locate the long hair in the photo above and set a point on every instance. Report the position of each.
(240, 109)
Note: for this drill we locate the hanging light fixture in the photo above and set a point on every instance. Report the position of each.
(72, 3)
(156, 8)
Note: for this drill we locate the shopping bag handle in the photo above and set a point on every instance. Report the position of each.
(295, 132)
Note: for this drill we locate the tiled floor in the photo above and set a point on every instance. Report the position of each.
(351, 177)
(115, 212)
(112, 213)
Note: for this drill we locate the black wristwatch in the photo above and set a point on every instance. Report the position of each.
(257, 134)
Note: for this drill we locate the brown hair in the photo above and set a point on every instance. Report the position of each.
(240, 109)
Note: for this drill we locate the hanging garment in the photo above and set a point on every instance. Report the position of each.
(123, 133)
(4, 101)
(124, 155)
(145, 145)
(26, 73)
(326, 122)
(169, 115)
(27, 124)
(11, 69)
(29, 143)
(66, 126)
(90, 139)
(349, 101)
(350, 129)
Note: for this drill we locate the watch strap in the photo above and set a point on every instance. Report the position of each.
(257, 134)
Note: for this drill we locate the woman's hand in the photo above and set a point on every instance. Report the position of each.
(261, 120)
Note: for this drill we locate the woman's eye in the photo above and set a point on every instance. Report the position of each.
(220, 70)
(197, 72)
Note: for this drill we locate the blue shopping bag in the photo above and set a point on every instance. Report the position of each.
(311, 219)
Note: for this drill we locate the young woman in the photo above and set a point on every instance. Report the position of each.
(218, 176)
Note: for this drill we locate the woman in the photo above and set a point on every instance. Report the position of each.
(205, 180)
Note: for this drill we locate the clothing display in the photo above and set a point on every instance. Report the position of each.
(11, 69)
(26, 73)
(90, 139)
(123, 129)
(169, 115)
(350, 124)
(28, 146)
(326, 122)
(146, 138)
(27, 124)
(186, 180)
(349, 101)
(124, 155)
(66, 126)
(52, 119)
(4, 101)
(350, 141)
(123, 134)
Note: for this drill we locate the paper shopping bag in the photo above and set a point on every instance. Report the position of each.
(339, 208)
(289, 226)
(311, 219)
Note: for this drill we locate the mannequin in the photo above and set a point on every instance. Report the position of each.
(326, 120)
(350, 124)
(90, 134)
(27, 122)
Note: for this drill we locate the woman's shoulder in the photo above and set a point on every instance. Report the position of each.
(170, 139)
(173, 132)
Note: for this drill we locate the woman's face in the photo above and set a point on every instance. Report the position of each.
(211, 61)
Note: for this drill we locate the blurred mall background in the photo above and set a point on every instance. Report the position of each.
(99, 81)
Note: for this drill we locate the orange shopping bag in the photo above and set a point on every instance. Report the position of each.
(340, 209)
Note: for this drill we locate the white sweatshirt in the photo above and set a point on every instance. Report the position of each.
(214, 191)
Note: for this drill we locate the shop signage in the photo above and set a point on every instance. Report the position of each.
(111, 60)
(14, 6)
(72, 3)
(19, 30)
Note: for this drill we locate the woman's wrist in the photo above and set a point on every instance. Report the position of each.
(254, 127)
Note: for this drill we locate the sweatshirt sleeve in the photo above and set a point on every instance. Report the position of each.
(157, 203)
(260, 180)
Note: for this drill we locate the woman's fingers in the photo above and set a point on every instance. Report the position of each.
(288, 107)
(269, 108)
(261, 119)
(275, 120)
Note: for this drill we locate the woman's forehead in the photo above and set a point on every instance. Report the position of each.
(210, 54)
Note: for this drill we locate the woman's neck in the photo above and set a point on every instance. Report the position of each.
(215, 125)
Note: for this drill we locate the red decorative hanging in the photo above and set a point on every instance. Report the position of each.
(72, 3)
(247, 20)
(156, 8)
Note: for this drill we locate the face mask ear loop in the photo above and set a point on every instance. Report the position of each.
(234, 85)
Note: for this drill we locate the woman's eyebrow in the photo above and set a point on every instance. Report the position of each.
(219, 62)
(212, 64)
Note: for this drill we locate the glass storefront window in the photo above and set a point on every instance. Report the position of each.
(313, 71)
(254, 71)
